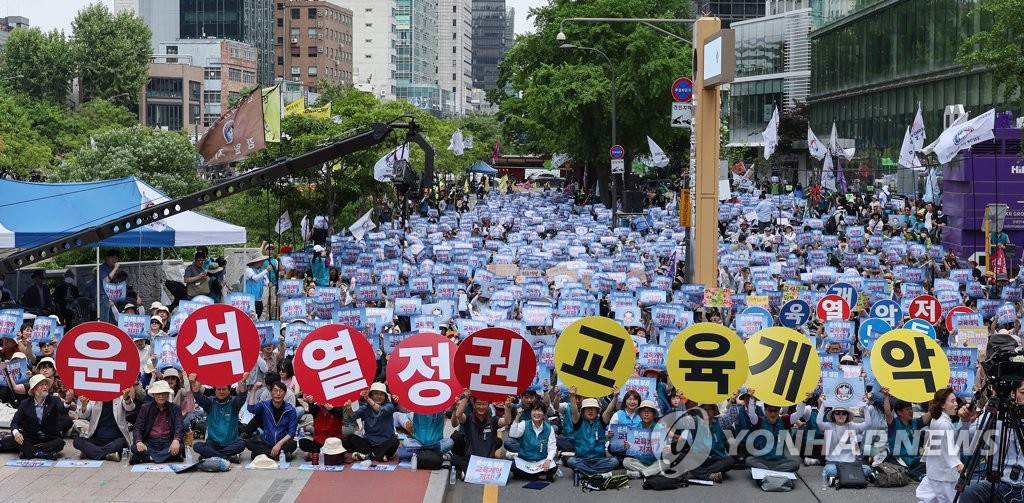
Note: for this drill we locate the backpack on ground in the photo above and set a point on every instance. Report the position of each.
(776, 484)
(851, 476)
(663, 483)
(599, 483)
(891, 475)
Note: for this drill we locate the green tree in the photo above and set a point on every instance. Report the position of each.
(43, 60)
(22, 148)
(165, 160)
(999, 48)
(560, 99)
(112, 53)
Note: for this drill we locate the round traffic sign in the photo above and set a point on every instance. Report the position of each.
(98, 361)
(495, 363)
(846, 291)
(682, 89)
(955, 310)
(833, 307)
(617, 152)
(870, 330)
(794, 313)
(926, 307)
(888, 311)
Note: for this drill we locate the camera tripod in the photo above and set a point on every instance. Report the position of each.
(1002, 411)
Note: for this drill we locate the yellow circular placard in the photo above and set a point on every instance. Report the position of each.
(911, 364)
(708, 362)
(594, 354)
(784, 366)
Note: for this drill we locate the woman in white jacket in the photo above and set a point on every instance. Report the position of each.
(942, 459)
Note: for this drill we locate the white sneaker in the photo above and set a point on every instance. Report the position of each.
(632, 474)
(811, 462)
(510, 455)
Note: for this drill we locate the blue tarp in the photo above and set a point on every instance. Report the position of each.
(483, 168)
(35, 213)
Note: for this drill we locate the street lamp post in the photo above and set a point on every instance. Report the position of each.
(615, 211)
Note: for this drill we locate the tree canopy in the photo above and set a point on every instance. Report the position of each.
(38, 64)
(112, 53)
(559, 100)
(999, 48)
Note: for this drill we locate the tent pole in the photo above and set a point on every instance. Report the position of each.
(98, 317)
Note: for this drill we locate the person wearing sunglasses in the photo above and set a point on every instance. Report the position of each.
(841, 438)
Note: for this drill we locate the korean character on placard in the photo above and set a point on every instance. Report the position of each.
(433, 368)
(218, 343)
(98, 367)
(494, 373)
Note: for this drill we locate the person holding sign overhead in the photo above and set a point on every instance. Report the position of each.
(841, 435)
(379, 441)
(479, 429)
(157, 434)
(221, 420)
(107, 434)
(768, 453)
(588, 432)
(279, 422)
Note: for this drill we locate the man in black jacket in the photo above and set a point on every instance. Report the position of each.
(36, 424)
(158, 434)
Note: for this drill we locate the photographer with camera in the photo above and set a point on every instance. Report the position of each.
(1010, 488)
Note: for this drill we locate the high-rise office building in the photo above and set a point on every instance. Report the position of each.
(416, 77)
(314, 43)
(730, 11)
(373, 46)
(249, 21)
(455, 53)
(510, 29)
(488, 41)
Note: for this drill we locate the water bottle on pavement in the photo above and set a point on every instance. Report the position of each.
(124, 456)
(451, 475)
(280, 460)
(413, 462)
(824, 479)
(320, 458)
(188, 454)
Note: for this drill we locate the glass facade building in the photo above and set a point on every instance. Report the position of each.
(772, 68)
(488, 42)
(249, 21)
(731, 11)
(873, 62)
(416, 54)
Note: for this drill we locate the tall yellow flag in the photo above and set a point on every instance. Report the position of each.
(272, 114)
(323, 112)
(295, 107)
(487, 184)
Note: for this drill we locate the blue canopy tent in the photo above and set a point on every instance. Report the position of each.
(483, 168)
(36, 213)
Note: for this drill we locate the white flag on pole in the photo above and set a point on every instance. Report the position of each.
(931, 189)
(304, 227)
(771, 134)
(362, 226)
(828, 174)
(457, 146)
(384, 169)
(959, 137)
(917, 134)
(814, 146)
(557, 160)
(657, 154)
(836, 149)
(958, 122)
(468, 142)
(908, 158)
(283, 223)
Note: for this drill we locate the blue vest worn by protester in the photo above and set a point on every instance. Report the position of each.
(534, 447)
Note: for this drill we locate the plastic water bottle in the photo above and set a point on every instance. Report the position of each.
(320, 458)
(413, 462)
(824, 479)
(124, 456)
(281, 460)
(451, 475)
(188, 454)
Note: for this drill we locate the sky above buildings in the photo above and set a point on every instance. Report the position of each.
(50, 14)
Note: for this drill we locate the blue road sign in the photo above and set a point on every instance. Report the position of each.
(888, 311)
(871, 329)
(794, 313)
(682, 89)
(617, 152)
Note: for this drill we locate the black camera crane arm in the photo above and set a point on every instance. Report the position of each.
(257, 178)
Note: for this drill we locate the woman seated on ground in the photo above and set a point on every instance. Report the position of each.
(536, 445)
